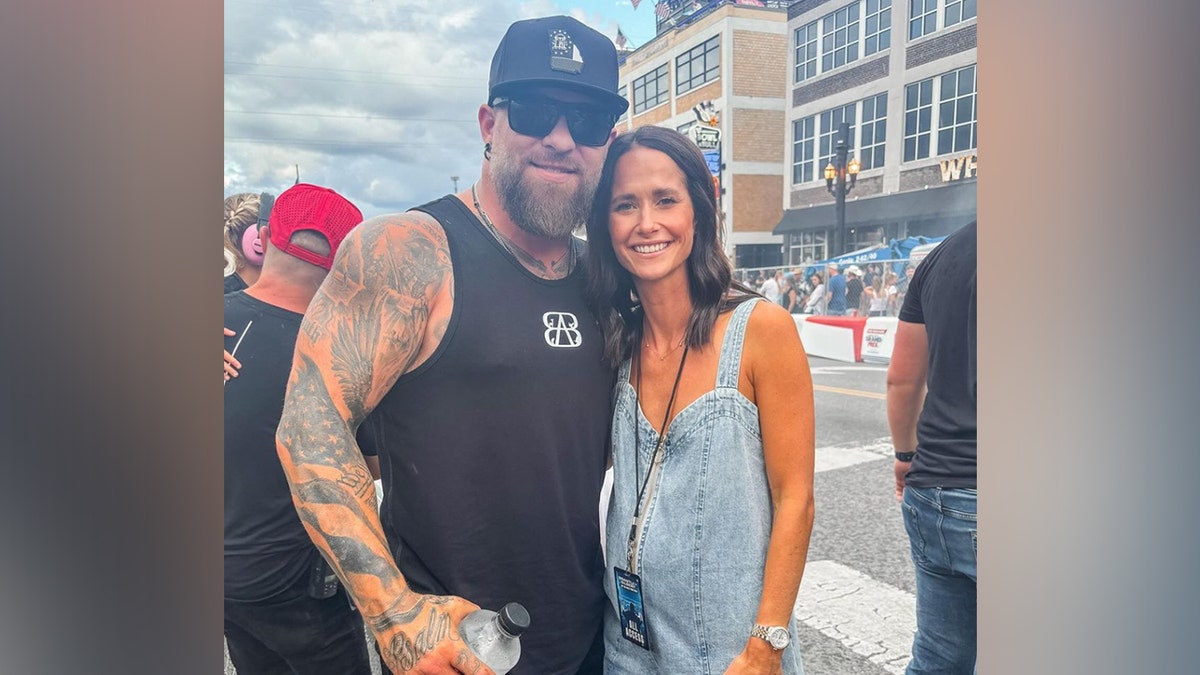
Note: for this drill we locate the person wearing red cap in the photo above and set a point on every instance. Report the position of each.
(284, 610)
(461, 329)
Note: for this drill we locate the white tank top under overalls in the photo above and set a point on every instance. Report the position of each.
(703, 544)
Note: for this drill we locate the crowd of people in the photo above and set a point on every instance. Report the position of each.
(873, 290)
(488, 367)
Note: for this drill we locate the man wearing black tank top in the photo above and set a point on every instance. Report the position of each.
(458, 331)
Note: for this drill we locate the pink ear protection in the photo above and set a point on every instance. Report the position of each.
(251, 244)
(252, 247)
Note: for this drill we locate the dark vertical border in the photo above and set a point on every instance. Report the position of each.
(1088, 260)
(110, 412)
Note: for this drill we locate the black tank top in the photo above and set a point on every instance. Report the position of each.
(493, 451)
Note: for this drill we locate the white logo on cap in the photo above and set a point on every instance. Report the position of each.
(564, 55)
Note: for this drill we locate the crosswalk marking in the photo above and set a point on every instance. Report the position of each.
(868, 617)
(841, 456)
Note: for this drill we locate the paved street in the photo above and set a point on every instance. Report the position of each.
(856, 606)
(856, 602)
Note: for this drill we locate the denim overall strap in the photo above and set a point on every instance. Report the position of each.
(623, 372)
(730, 364)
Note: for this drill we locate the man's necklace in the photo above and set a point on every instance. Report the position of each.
(512, 247)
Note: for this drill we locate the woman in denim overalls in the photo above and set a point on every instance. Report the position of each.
(712, 437)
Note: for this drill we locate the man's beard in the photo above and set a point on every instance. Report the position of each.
(545, 210)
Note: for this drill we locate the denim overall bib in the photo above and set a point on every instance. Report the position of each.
(703, 545)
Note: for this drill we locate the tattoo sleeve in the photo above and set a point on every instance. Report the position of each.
(362, 330)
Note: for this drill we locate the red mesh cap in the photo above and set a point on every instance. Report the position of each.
(311, 207)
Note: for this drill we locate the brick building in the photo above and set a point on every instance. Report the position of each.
(731, 56)
(902, 75)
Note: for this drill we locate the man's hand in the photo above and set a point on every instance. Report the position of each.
(231, 364)
(424, 640)
(901, 470)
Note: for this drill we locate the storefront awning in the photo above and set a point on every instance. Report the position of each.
(949, 201)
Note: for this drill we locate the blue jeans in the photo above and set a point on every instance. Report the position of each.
(941, 524)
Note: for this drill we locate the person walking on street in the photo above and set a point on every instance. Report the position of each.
(771, 288)
(931, 404)
(836, 290)
(813, 303)
(854, 291)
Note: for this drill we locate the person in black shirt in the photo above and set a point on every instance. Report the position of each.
(931, 403)
(854, 291)
(284, 611)
(461, 331)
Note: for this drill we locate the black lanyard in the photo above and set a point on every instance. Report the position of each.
(637, 443)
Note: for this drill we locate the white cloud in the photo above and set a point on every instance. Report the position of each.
(375, 99)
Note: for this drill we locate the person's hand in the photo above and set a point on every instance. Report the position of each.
(231, 364)
(901, 470)
(758, 658)
(429, 643)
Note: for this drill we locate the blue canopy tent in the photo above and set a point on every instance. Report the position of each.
(895, 252)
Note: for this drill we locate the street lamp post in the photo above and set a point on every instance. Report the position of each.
(455, 179)
(835, 181)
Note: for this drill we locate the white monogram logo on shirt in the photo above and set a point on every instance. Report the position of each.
(562, 329)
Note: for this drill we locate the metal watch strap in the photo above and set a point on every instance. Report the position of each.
(763, 633)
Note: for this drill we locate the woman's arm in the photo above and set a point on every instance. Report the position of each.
(782, 389)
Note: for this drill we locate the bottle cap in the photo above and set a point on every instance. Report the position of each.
(514, 619)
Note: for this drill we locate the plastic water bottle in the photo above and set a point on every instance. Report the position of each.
(494, 636)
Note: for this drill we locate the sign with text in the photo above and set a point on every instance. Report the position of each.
(706, 138)
(713, 159)
(958, 168)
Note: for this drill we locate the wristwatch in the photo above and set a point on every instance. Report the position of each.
(776, 636)
(904, 456)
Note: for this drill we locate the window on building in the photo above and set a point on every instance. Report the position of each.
(623, 92)
(955, 114)
(805, 248)
(922, 18)
(685, 127)
(839, 37)
(802, 149)
(834, 40)
(873, 132)
(923, 15)
(956, 111)
(958, 10)
(869, 137)
(877, 26)
(698, 65)
(918, 119)
(806, 52)
(650, 90)
(864, 237)
(831, 122)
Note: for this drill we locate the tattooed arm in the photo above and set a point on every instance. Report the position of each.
(379, 312)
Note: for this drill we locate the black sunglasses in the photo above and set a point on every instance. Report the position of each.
(588, 125)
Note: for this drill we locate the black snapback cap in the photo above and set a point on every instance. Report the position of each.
(556, 51)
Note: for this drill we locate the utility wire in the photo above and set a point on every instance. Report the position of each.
(352, 70)
(351, 117)
(364, 144)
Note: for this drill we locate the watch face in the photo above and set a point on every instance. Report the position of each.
(778, 637)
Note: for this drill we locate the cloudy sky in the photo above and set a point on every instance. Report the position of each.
(374, 98)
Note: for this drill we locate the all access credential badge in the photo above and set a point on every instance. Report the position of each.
(630, 609)
(564, 55)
